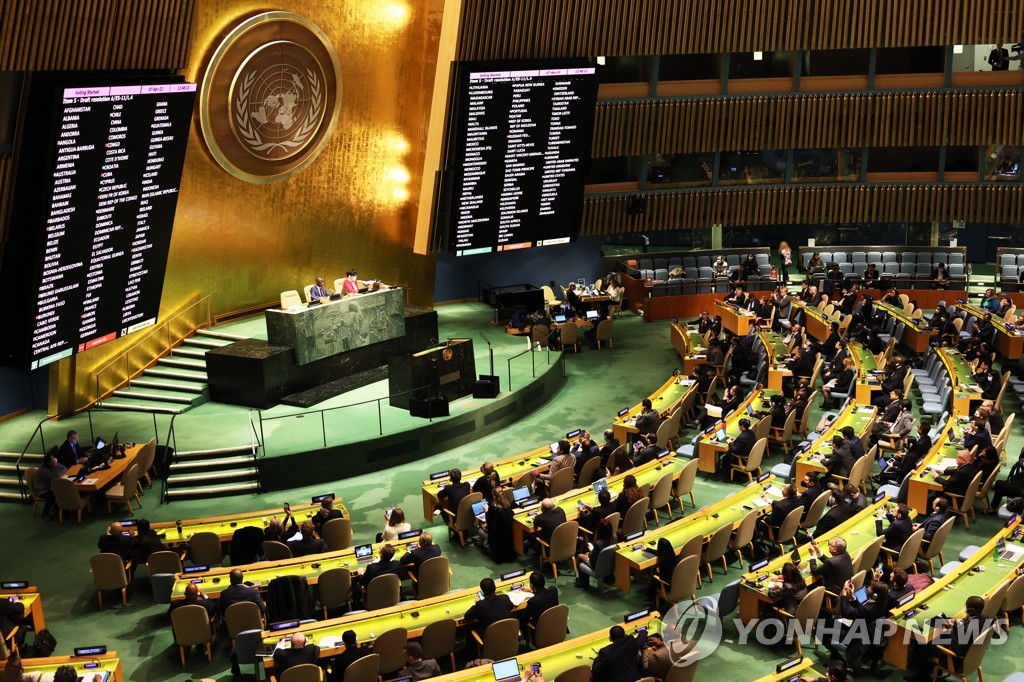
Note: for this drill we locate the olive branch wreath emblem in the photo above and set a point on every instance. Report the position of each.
(248, 131)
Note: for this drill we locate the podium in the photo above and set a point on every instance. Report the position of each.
(445, 371)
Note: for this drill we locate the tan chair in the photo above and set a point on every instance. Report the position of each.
(815, 511)
(276, 551)
(241, 616)
(963, 505)
(365, 669)
(145, 460)
(803, 426)
(290, 299)
(985, 491)
(390, 646)
(743, 535)
(164, 562)
(540, 334)
(191, 627)
(1013, 601)
(68, 499)
(752, 462)
(858, 473)
(1002, 390)
(661, 498)
(905, 558)
(934, 548)
(383, 591)
(463, 521)
(636, 518)
(569, 336)
(587, 472)
(716, 548)
(693, 547)
(125, 491)
(683, 584)
(684, 484)
(561, 548)
(668, 431)
(604, 333)
(786, 532)
(337, 534)
(335, 588)
(339, 285)
(108, 574)
(549, 296)
(561, 482)
(30, 478)
(784, 436)
(579, 673)
(551, 627)
(433, 579)
(613, 521)
(204, 549)
(500, 640)
(763, 429)
(970, 663)
(305, 292)
(867, 556)
(307, 672)
(438, 640)
(806, 615)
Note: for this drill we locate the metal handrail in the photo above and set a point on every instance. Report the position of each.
(255, 444)
(125, 357)
(22, 490)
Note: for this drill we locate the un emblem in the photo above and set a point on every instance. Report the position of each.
(270, 97)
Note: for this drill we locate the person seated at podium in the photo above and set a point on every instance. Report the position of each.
(737, 297)
(71, 453)
(319, 292)
(353, 285)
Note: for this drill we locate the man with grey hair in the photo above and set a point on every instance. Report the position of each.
(835, 569)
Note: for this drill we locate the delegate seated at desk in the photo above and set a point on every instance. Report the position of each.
(319, 292)
(353, 285)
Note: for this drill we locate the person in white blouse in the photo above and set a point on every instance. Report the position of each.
(395, 524)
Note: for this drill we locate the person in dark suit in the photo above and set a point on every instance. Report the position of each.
(904, 463)
(956, 480)
(308, 543)
(896, 372)
(977, 435)
(617, 662)
(146, 540)
(645, 450)
(839, 461)
(987, 379)
(424, 549)
(786, 590)
(193, 596)
(833, 570)
(932, 522)
(584, 449)
(326, 513)
(899, 587)
(778, 411)
(839, 512)
(900, 528)
(12, 615)
(543, 599)
(739, 448)
(382, 566)
(955, 635)
(549, 518)
(319, 290)
(812, 490)
(299, 653)
(802, 364)
(490, 609)
(239, 592)
(71, 453)
(450, 496)
(497, 529)
(352, 653)
(866, 617)
(115, 543)
(610, 444)
(591, 516)
(853, 442)
(649, 421)
(781, 508)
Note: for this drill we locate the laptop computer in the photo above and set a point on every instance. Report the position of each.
(100, 444)
(721, 435)
(522, 497)
(480, 509)
(364, 553)
(560, 319)
(506, 671)
(1011, 553)
(861, 594)
(599, 485)
(592, 315)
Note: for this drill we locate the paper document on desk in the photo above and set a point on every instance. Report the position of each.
(714, 410)
(761, 502)
(946, 463)
(89, 481)
(773, 491)
(517, 597)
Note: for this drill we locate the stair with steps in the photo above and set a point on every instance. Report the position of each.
(212, 473)
(9, 473)
(176, 382)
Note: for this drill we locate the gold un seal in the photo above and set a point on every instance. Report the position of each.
(270, 97)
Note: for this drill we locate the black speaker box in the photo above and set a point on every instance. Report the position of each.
(488, 386)
(429, 407)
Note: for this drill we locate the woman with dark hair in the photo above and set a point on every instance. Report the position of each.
(147, 541)
(631, 493)
(787, 589)
(604, 535)
(497, 529)
(619, 461)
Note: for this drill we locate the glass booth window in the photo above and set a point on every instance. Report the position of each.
(826, 165)
(757, 167)
(680, 170)
(1002, 163)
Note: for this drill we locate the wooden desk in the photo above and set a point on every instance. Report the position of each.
(709, 448)
(776, 350)
(648, 474)
(966, 391)
(860, 417)
(922, 482)
(225, 526)
(690, 346)
(917, 334)
(213, 581)
(632, 558)
(948, 594)
(1009, 343)
(105, 666)
(801, 668)
(736, 321)
(865, 363)
(98, 480)
(816, 322)
(367, 625)
(33, 601)
(665, 399)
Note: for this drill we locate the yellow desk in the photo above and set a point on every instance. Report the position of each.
(96, 481)
(33, 601)
(211, 582)
(794, 670)
(942, 455)
(860, 417)
(980, 575)
(917, 334)
(776, 351)
(965, 391)
(689, 345)
(648, 474)
(664, 400)
(225, 526)
(90, 669)
(737, 321)
(816, 322)
(1009, 343)
(709, 448)
(864, 365)
(367, 625)
(634, 557)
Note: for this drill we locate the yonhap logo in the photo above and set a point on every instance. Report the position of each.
(691, 632)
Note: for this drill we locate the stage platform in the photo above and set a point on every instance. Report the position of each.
(355, 432)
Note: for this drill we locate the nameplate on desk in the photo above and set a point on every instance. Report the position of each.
(284, 625)
(90, 650)
(759, 565)
(664, 453)
(128, 524)
(635, 535)
(880, 496)
(787, 664)
(623, 412)
(513, 574)
(1010, 521)
(907, 598)
(317, 499)
(573, 434)
(438, 476)
(630, 617)
(196, 569)
(410, 534)
(764, 477)
(14, 585)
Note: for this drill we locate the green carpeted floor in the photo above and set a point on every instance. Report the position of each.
(599, 383)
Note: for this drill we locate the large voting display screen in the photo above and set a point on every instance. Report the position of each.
(520, 155)
(95, 233)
